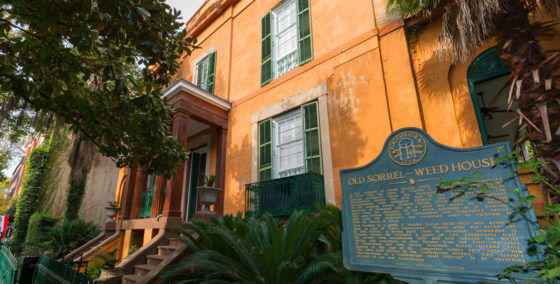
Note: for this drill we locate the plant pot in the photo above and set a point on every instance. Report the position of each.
(207, 196)
(110, 276)
(111, 211)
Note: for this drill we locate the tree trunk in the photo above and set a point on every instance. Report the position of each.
(534, 74)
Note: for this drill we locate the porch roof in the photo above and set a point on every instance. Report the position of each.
(194, 90)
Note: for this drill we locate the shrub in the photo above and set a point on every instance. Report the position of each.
(74, 200)
(132, 250)
(68, 236)
(39, 224)
(28, 201)
(102, 261)
(307, 248)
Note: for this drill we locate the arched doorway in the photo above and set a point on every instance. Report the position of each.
(487, 77)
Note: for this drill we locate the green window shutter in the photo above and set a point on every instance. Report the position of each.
(311, 138)
(211, 72)
(265, 150)
(266, 50)
(305, 43)
(199, 73)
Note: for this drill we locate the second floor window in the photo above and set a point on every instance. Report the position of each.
(205, 72)
(290, 144)
(286, 39)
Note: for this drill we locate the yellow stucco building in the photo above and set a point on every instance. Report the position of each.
(290, 92)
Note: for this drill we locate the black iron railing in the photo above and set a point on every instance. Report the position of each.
(280, 197)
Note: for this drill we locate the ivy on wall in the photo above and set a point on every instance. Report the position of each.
(81, 160)
(59, 148)
(30, 193)
(74, 199)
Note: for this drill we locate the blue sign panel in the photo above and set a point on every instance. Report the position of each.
(395, 222)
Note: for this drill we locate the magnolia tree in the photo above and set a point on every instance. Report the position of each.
(98, 66)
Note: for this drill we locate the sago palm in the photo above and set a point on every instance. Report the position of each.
(534, 71)
(304, 249)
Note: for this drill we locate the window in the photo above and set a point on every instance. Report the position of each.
(205, 73)
(286, 39)
(147, 196)
(290, 144)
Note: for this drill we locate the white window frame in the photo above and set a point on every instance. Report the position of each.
(276, 145)
(274, 35)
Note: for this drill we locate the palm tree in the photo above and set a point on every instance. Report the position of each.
(534, 71)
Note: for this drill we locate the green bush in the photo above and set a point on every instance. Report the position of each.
(307, 248)
(74, 200)
(94, 272)
(28, 201)
(39, 224)
(131, 250)
(102, 261)
(68, 236)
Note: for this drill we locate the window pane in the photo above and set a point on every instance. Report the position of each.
(285, 37)
(288, 145)
(151, 181)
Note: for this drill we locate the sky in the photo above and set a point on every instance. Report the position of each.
(187, 8)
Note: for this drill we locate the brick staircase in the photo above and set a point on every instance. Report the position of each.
(167, 254)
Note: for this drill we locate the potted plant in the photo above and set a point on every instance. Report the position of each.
(112, 208)
(207, 193)
(107, 263)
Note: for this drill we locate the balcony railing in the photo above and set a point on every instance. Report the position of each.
(280, 197)
(287, 63)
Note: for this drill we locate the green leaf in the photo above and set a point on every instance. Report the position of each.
(540, 238)
(143, 11)
(552, 274)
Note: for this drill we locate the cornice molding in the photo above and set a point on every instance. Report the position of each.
(182, 85)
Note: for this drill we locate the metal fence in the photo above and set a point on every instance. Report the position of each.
(51, 271)
(280, 197)
(8, 265)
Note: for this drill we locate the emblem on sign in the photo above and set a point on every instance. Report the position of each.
(407, 148)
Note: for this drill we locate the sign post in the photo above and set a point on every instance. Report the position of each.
(395, 222)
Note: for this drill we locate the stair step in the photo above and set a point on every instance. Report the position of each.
(154, 259)
(143, 269)
(131, 279)
(166, 250)
(174, 242)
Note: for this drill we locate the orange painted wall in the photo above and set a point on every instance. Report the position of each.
(377, 82)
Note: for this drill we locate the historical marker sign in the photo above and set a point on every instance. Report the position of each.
(395, 222)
